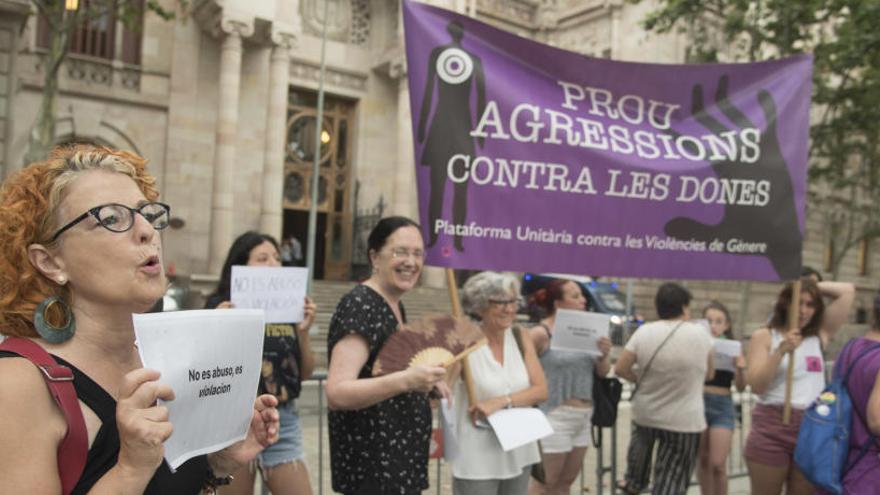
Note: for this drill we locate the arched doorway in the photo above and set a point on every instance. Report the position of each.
(333, 240)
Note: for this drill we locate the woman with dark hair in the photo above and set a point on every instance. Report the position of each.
(770, 445)
(569, 375)
(715, 441)
(287, 361)
(80, 251)
(240, 254)
(674, 358)
(380, 427)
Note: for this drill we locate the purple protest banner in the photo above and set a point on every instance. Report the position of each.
(532, 158)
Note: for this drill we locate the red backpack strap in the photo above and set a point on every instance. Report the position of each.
(73, 449)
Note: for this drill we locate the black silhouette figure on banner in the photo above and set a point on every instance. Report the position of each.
(449, 133)
(774, 224)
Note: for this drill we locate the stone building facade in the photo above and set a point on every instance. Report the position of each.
(223, 103)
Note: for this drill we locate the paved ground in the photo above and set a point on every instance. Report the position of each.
(310, 422)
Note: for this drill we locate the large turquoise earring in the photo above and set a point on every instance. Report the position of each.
(50, 333)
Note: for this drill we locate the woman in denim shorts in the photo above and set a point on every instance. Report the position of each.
(715, 442)
(287, 361)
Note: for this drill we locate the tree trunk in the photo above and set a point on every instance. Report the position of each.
(42, 136)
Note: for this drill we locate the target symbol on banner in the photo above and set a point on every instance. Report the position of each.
(454, 65)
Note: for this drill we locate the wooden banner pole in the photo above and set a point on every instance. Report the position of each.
(793, 312)
(456, 312)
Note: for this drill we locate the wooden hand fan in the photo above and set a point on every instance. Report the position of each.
(437, 340)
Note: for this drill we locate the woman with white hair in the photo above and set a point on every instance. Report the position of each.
(506, 373)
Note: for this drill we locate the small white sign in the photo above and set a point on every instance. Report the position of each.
(212, 360)
(519, 426)
(579, 331)
(726, 352)
(279, 291)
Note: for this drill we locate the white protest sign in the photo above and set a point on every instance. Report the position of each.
(519, 426)
(212, 360)
(579, 331)
(726, 352)
(280, 291)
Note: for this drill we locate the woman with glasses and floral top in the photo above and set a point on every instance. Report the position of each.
(380, 427)
(505, 373)
(80, 253)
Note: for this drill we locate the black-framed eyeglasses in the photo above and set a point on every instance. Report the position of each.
(120, 218)
(506, 302)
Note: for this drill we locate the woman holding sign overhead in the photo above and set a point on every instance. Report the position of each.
(715, 442)
(80, 252)
(380, 427)
(506, 373)
(570, 390)
(770, 445)
(287, 361)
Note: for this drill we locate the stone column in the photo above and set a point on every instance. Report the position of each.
(616, 31)
(403, 201)
(225, 141)
(276, 128)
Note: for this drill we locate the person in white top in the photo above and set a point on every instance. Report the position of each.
(674, 358)
(505, 373)
(770, 445)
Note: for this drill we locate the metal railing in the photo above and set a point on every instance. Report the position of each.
(607, 456)
(736, 467)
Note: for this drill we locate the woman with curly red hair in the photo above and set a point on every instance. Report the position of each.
(569, 390)
(79, 253)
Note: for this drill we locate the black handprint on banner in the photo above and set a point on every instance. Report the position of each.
(774, 224)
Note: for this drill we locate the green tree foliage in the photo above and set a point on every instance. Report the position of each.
(63, 23)
(844, 38)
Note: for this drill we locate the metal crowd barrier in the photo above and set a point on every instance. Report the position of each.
(607, 471)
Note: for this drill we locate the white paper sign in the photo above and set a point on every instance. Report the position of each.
(579, 331)
(726, 352)
(212, 360)
(279, 291)
(450, 441)
(519, 426)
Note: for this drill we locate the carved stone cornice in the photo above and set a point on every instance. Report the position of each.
(243, 28)
(220, 22)
(283, 38)
(397, 69)
(392, 64)
(311, 73)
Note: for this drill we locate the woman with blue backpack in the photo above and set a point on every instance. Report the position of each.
(770, 446)
(861, 473)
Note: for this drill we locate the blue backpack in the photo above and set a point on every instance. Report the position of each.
(823, 440)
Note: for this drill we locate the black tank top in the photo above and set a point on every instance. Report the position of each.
(102, 455)
(723, 379)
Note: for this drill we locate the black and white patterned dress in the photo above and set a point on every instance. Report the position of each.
(381, 449)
